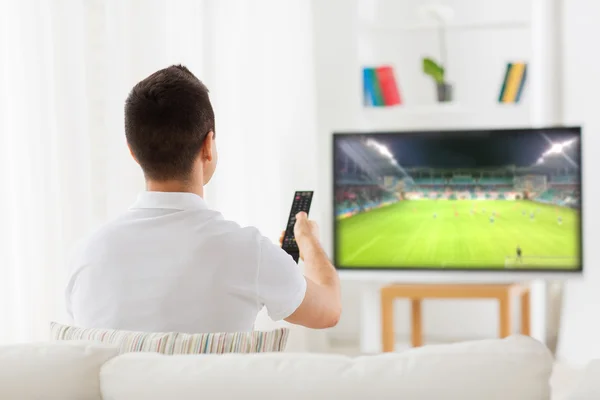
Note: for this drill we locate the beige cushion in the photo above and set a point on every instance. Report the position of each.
(178, 343)
(65, 371)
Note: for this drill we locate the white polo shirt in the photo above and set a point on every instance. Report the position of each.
(171, 264)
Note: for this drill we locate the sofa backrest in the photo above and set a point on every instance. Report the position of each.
(53, 371)
(517, 368)
(588, 386)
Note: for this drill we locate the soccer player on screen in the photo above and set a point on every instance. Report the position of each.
(519, 254)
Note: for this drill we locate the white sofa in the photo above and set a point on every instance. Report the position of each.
(517, 368)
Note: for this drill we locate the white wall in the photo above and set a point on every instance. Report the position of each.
(477, 56)
(579, 339)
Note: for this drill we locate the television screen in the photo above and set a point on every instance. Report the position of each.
(481, 200)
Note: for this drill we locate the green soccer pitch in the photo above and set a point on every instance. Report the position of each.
(445, 234)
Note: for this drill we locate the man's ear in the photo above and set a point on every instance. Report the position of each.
(207, 147)
(132, 155)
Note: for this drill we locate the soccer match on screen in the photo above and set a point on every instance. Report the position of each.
(459, 200)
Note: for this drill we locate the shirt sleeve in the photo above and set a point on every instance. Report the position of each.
(73, 268)
(281, 286)
(69, 307)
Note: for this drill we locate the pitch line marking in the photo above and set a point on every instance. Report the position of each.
(363, 248)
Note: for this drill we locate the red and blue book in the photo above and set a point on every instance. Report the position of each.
(380, 88)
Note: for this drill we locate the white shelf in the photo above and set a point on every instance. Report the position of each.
(445, 116)
(429, 109)
(479, 15)
(481, 40)
(375, 28)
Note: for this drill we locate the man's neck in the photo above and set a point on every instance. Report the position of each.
(175, 186)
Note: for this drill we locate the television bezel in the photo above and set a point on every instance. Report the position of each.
(412, 269)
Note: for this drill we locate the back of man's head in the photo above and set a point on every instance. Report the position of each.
(168, 116)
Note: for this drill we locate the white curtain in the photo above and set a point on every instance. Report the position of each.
(65, 69)
(47, 196)
(262, 81)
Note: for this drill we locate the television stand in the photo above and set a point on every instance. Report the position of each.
(504, 293)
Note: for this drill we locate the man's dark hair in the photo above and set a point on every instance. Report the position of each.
(167, 117)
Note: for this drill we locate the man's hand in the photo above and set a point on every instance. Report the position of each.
(305, 229)
(306, 232)
(281, 238)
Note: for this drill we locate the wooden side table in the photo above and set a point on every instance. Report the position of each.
(504, 293)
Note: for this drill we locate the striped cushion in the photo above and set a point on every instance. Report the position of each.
(177, 343)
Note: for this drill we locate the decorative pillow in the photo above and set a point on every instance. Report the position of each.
(177, 343)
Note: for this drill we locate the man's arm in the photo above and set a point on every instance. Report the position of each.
(321, 307)
(313, 299)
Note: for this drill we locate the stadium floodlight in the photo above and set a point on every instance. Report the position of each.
(555, 149)
(380, 148)
(558, 148)
(384, 151)
(540, 160)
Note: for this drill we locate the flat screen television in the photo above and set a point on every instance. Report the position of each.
(485, 200)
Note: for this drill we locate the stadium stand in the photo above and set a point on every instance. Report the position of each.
(568, 197)
(353, 181)
(547, 196)
(352, 200)
(495, 181)
(564, 179)
(462, 180)
(430, 181)
(367, 179)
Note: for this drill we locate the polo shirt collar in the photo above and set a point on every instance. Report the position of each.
(170, 200)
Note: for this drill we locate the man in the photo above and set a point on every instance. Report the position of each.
(519, 254)
(170, 263)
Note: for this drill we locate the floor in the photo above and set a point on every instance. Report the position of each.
(563, 382)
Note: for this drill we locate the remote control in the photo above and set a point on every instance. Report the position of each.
(301, 202)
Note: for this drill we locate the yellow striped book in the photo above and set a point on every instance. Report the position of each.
(514, 81)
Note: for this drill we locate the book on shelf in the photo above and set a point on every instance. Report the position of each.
(513, 83)
(380, 88)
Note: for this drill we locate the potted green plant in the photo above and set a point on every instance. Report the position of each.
(437, 70)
